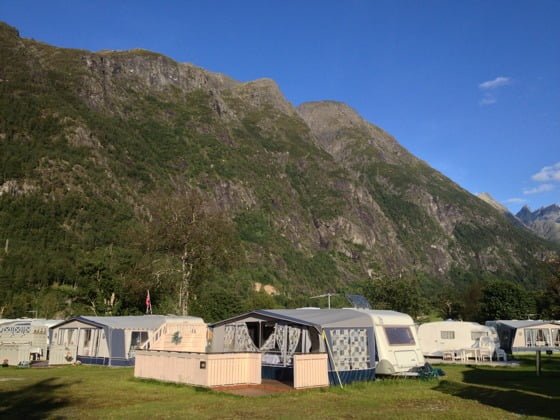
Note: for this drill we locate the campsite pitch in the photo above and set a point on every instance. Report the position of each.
(465, 392)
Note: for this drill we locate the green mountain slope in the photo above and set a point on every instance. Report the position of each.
(124, 170)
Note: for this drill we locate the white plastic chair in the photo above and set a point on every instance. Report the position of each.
(501, 355)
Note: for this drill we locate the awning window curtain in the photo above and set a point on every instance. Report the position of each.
(556, 336)
(270, 342)
(237, 338)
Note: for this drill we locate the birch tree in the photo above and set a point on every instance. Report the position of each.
(191, 241)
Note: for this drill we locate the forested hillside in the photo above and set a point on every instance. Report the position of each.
(122, 171)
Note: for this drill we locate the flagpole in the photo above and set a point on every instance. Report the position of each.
(148, 303)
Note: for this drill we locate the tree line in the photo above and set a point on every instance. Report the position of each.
(189, 254)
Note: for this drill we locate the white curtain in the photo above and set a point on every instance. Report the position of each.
(243, 341)
(237, 338)
(530, 337)
(294, 334)
(229, 337)
(282, 340)
(270, 342)
(305, 341)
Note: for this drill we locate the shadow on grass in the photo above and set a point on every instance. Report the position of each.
(514, 401)
(35, 401)
(522, 380)
(515, 390)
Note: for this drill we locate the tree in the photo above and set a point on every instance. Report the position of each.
(449, 303)
(193, 242)
(402, 294)
(471, 300)
(505, 300)
(549, 299)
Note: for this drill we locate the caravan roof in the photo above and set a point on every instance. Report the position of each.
(386, 317)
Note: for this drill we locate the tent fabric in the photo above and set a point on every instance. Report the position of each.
(317, 318)
(520, 324)
(117, 344)
(349, 348)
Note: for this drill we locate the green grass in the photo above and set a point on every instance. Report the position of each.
(466, 392)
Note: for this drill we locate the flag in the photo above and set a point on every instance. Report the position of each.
(148, 303)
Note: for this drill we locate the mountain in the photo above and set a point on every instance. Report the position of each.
(486, 197)
(492, 201)
(545, 221)
(125, 170)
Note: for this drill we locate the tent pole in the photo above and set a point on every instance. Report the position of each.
(329, 351)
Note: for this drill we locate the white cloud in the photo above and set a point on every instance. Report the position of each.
(515, 200)
(497, 82)
(540, 189)
(548, 174)
(488, 99)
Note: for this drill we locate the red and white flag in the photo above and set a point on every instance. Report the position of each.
(148, 303)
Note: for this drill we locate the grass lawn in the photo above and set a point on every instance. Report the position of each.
(465, 392)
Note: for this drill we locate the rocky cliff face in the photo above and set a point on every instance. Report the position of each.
(320, 197)
(545, 221)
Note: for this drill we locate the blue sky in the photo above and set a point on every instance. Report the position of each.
(472, 87)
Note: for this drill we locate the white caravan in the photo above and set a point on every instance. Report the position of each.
(398, 349)
(24, 340)
(438, 338)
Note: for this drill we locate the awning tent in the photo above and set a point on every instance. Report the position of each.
(105, 340)
(345, 334)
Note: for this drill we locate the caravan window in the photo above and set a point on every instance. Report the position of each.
(448, 335)
(399, 336)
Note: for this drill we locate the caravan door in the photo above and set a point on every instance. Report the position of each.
(406, 358)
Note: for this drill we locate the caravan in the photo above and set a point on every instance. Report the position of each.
(24, 340)
(448, 339)
(398, 348)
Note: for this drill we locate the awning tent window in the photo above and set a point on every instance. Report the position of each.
(138, 339)
(476, 335)
(556, 337)
(237, 338)
(350, 348)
